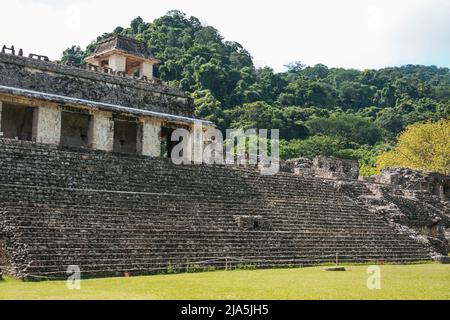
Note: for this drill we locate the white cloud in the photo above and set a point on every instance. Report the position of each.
(347, 33)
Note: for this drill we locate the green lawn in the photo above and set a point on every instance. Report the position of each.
(423, 281)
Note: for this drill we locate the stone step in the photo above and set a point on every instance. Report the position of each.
(122, 213)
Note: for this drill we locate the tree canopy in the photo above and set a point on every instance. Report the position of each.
(422, 146)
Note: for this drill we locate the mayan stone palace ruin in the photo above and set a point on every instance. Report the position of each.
(86, 180)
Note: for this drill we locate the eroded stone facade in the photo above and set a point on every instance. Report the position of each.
(106, 109)
(94, 86)
(412, 201)
(323, 167)
(434, 183)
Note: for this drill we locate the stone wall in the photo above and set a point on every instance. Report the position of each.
(333, 168)
(52, 78)
(323, 167)
(407, 199)
(434, 183)
(426, 216)
(112, 213)
(300, 166)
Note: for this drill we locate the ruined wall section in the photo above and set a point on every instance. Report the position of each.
(431, 182)
(322, 167)
(413, 202)
(52, 78)
(333, 168)
(111, 214)
(418, 213)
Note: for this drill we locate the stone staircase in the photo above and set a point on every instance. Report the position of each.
(112, 213)
(418, 213)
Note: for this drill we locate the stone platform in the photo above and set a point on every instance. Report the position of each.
(114, 213)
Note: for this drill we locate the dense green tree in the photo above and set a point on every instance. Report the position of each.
(260, 115)
(391, 120)
(311, 147)
(356, 95)
(318, 72)
(349, 127)
(303, 92)
(209, 108)
(73, 56)
(137, 25)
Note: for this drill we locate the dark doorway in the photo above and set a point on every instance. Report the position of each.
(167, 144)
(74, 129)
(125, 136)
(17, 122)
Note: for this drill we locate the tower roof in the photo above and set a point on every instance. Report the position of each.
(124, 45)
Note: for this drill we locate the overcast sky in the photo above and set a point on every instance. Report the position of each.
(345, 33)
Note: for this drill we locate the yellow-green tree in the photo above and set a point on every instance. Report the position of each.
(423, 146)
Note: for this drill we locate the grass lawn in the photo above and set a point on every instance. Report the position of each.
(423, 281)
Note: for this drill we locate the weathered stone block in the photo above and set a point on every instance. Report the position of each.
(47, 124)
(435, 183)
(253, 223)
(149, 142)
(52, 78)
(101, 131)
(333, 168)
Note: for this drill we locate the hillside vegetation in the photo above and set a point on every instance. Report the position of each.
(319, 110)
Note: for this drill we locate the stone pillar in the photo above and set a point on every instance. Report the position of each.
(47, 124)
(101, 131)
(146, 69)
(149, 139)
(118, 62)
(197, 142)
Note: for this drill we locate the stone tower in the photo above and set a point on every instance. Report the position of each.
(124, 55)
